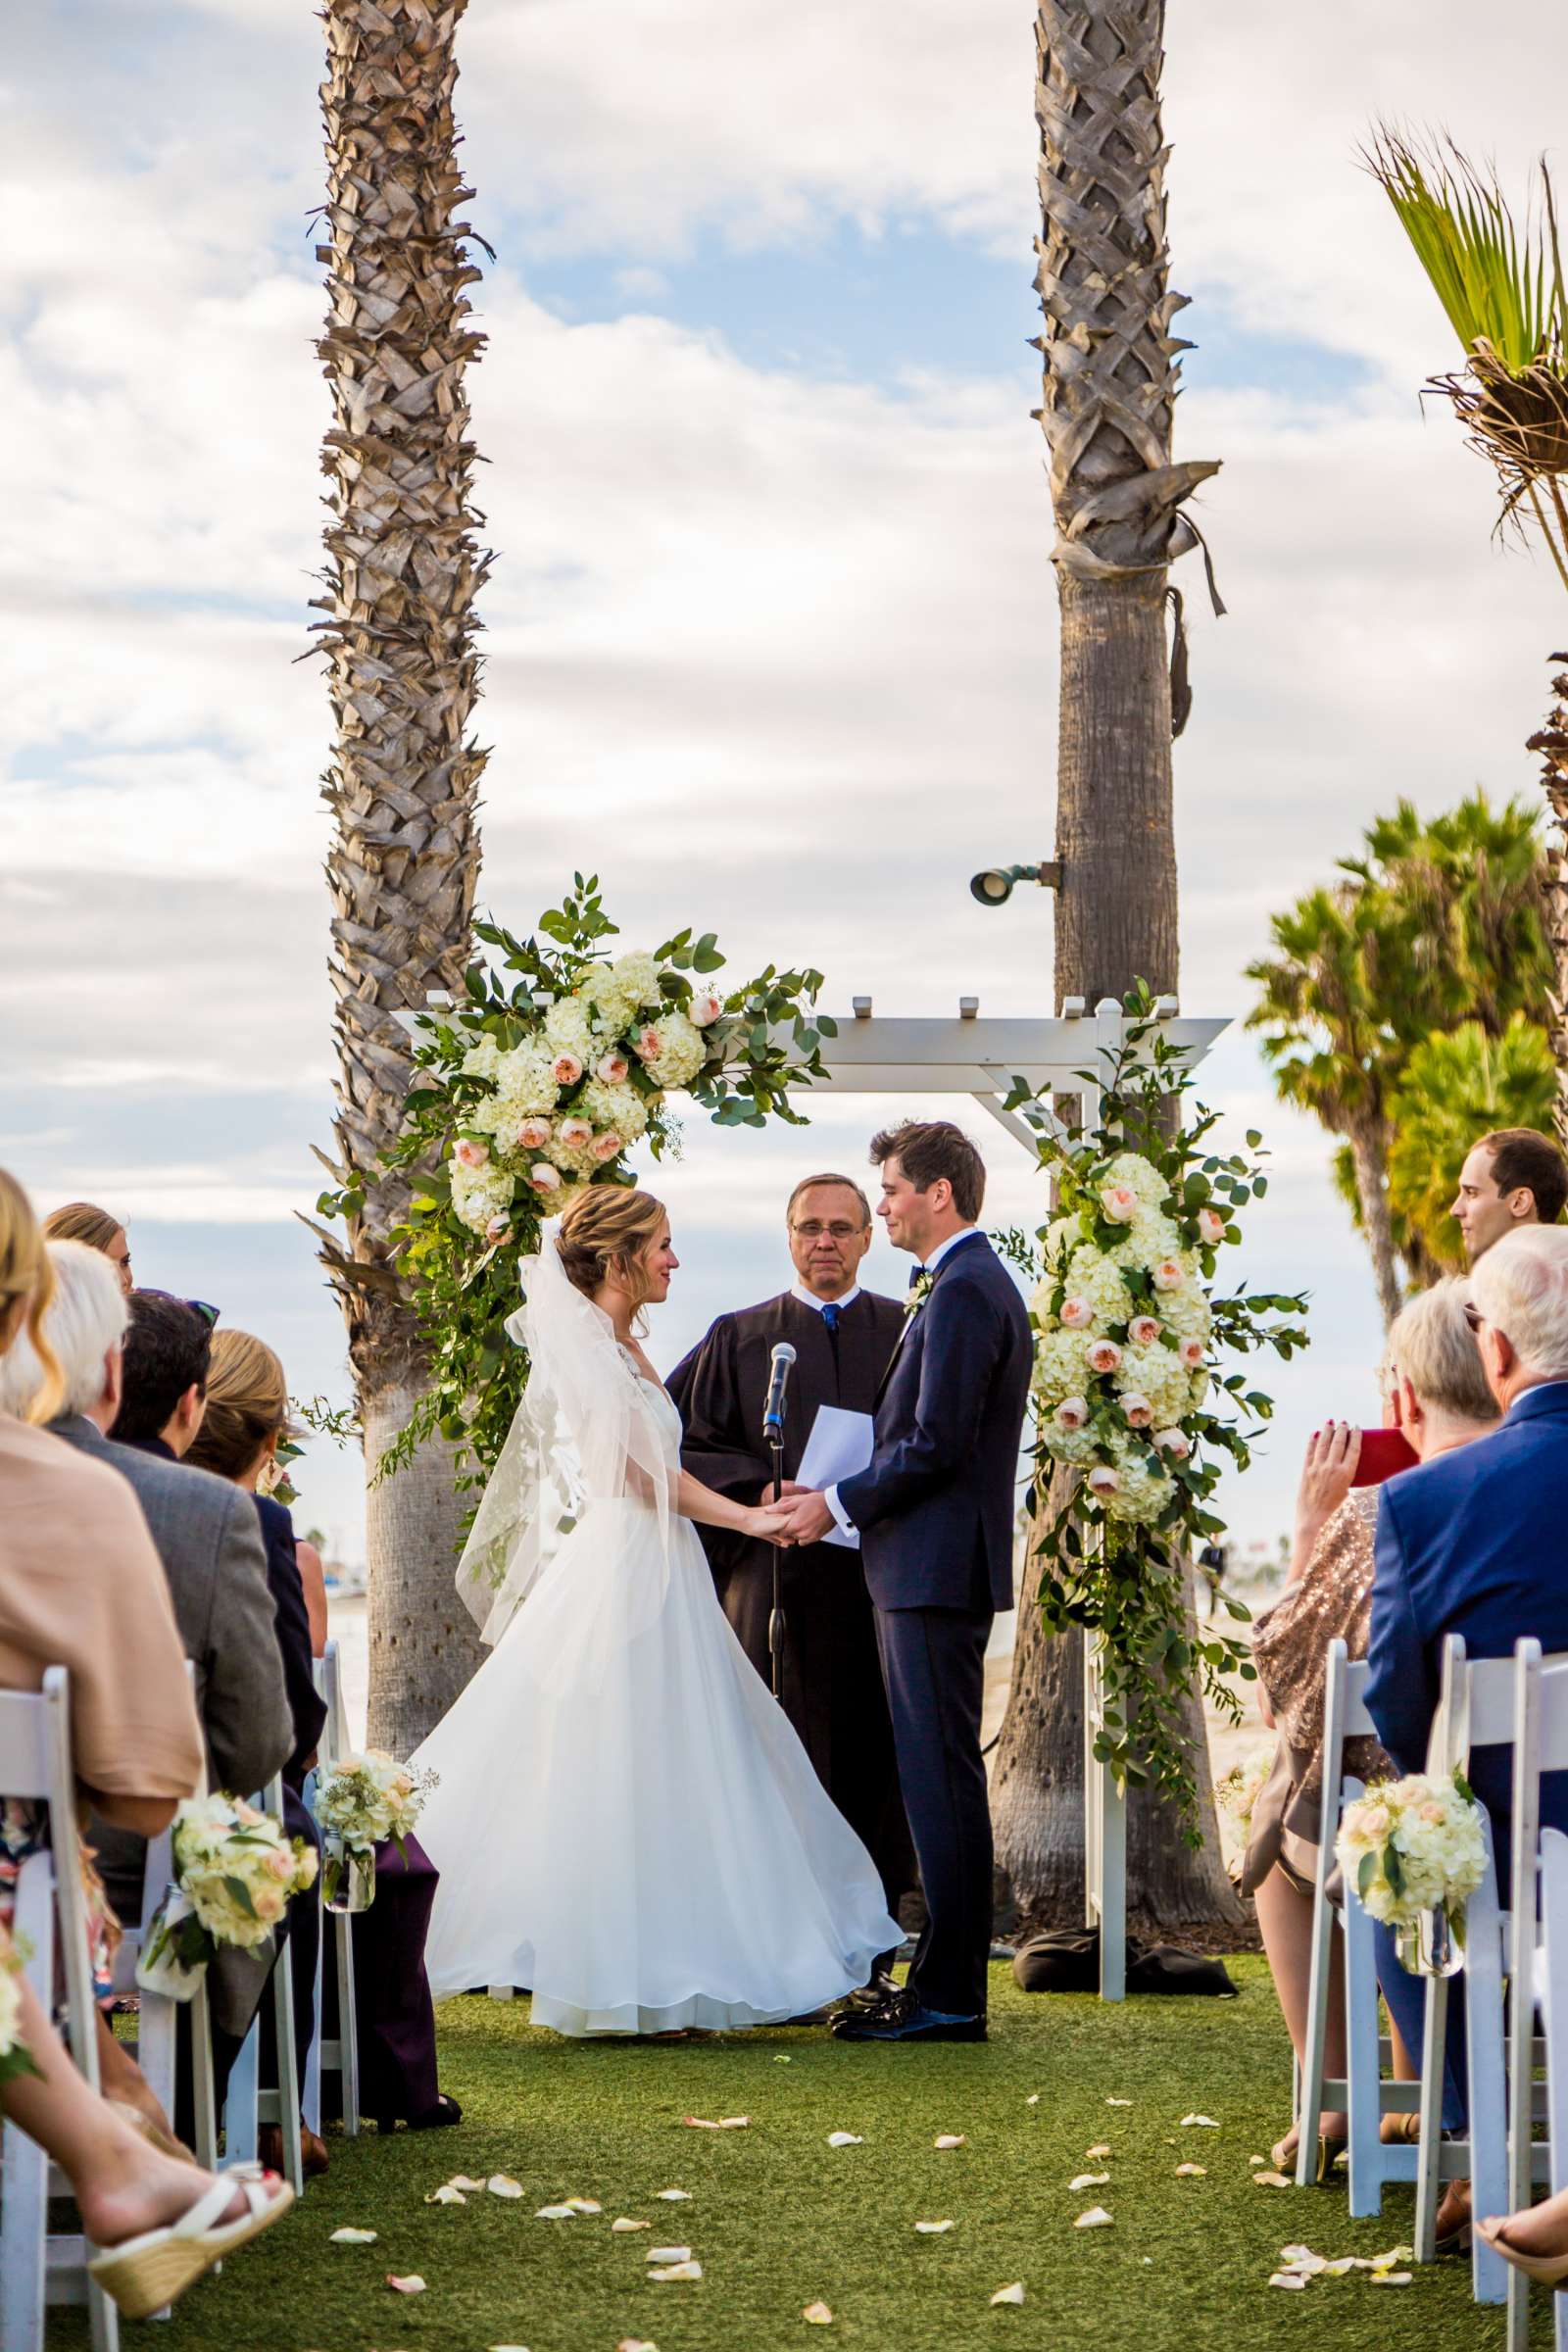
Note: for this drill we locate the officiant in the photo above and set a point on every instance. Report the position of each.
(844, 1337)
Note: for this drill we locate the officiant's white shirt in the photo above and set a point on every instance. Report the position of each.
(830, 1495)
(797, 1290)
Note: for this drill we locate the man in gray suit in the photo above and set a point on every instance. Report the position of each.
(208, 1539)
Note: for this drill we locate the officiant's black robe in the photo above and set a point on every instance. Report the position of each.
(833, 1689)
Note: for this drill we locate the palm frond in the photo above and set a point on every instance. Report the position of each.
(1500, 285)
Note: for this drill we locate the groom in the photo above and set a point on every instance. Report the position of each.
(934, 1512)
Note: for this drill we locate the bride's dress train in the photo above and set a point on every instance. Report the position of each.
(625, 1820)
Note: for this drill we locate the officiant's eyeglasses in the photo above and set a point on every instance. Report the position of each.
(1474, 1317)
(812, 1229)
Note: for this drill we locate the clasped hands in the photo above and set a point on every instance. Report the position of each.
(800, 1516)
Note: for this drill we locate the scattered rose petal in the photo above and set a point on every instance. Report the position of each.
(668, 2254)
(1395, 2255)
(502, 2184)
(1288, 2279)
(414, 2284)
(1032, 2100)
(845, 2139)
(1089, 2180)
(950, 2139)
(934, 2228)
(635, 2344)
(726, 2123)
(556, 2213)
(581, 2204)
(446, 2195)
(1339, 2269)
(461, 2181)
(1270, 2180)
(678, 2270)
(819, 2314)
(780, 2059)
(1191, 2171)
(1096, 2218)
(1206, 2121)
(1257, 2160)
(353, 2238)
(1391, 2278)
(1101, 2147)
(1303, 2258)
(623, 2225)
(1008, 2294)
(507, 2348)
(674, 2196)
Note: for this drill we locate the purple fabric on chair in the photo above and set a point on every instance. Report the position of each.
(392, 2003)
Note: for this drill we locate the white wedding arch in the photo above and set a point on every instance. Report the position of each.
(877, 1053)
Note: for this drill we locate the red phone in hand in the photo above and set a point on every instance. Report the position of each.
(1383, 1454)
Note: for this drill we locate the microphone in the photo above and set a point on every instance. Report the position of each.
(782, 1357)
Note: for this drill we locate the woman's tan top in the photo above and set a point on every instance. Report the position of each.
(81, 1586)
(1331, 1600)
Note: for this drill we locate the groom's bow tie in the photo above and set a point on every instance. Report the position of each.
(915, 1272)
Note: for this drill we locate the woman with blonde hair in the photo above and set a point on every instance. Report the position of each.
(82, 1221)
(626, 1822)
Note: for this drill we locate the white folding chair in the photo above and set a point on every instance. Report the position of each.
(1537, 1963)
(248, 2106)
(337, 2053)
(1363, 2091)
(36, 2267)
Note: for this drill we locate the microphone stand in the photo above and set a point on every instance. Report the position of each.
(775, 1623)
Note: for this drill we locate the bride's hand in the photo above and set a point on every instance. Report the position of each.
(765, 1526)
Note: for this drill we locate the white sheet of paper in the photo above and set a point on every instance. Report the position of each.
(839, 1444)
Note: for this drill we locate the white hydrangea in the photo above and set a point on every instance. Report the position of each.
(1186, 1312)
(1437, 1833)
(1142, 1493)
(479, 1193)
(1157, 1373)
(1149, 1237)
(569, 1028)
(618, 1106)
(481, 1059)
(523, 1087)
(674, 1049)
(636, 975)
(1060, 1366)
(1094, 1275)
(1139, 1175)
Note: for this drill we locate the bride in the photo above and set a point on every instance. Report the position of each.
(625, 1820)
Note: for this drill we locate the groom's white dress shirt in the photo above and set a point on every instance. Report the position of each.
(830, 1495)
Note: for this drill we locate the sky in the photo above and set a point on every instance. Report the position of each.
(770, 638)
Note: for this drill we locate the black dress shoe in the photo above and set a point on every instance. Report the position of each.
(905, 2017)
(881, 1989)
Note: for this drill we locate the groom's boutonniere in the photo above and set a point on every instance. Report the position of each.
(920, 1292)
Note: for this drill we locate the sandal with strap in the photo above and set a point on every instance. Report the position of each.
(147, 2272)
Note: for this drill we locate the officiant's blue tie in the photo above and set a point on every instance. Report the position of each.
(831, 1313)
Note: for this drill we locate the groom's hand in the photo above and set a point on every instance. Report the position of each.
(807, 1517)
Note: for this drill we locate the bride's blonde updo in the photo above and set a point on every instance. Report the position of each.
(606, 1233)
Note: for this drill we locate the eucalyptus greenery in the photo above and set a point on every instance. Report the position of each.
(1125, 1580)
(765, 1042)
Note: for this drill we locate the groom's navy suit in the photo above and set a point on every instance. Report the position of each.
(935, 1514)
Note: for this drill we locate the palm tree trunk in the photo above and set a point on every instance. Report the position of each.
(1110, 378)
(1551, 741)
(402, 574)
(1369, 1157)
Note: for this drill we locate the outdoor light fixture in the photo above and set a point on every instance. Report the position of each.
(993, 888)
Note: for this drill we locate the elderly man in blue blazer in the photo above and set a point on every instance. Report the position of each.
(934, 1511)
(1475, 1542)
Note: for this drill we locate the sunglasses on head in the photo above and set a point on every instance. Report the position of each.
(198, 1307)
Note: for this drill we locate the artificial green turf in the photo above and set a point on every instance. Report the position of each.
(778, 2219)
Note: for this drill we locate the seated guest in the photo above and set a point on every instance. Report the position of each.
(1512, 1178)
(96, 1228)
(214, 1573)
(1437, 1394)
(246, 1415)
(1471, 1542)
(81, 1586)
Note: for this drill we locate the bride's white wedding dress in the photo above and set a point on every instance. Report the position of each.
(625, 1820)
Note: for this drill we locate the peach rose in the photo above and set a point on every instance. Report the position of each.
(543, 1177)
(1138, 1409)
(574, 1133)
(469, 1153)
(1192, 1352)
(1210, 1225)
(1119, 1203)
(1431, 1812)
(1375, 1822)
(1169, 1274)
(614, 1070)
(650, 1045)
(565, 1069)
(704, 1009)
(606, 1145)
(1071, 1413)
(246, 1813)
(1143, 1330)
(533, 1135)
(280, 1864)
(1077, 1314)
(268, 1900)
(499, 1228)
(1103, 1355)
(1174, 1442)
(1103, 1479)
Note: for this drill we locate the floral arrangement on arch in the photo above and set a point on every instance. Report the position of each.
(1133, 1404)
(540, 1081)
